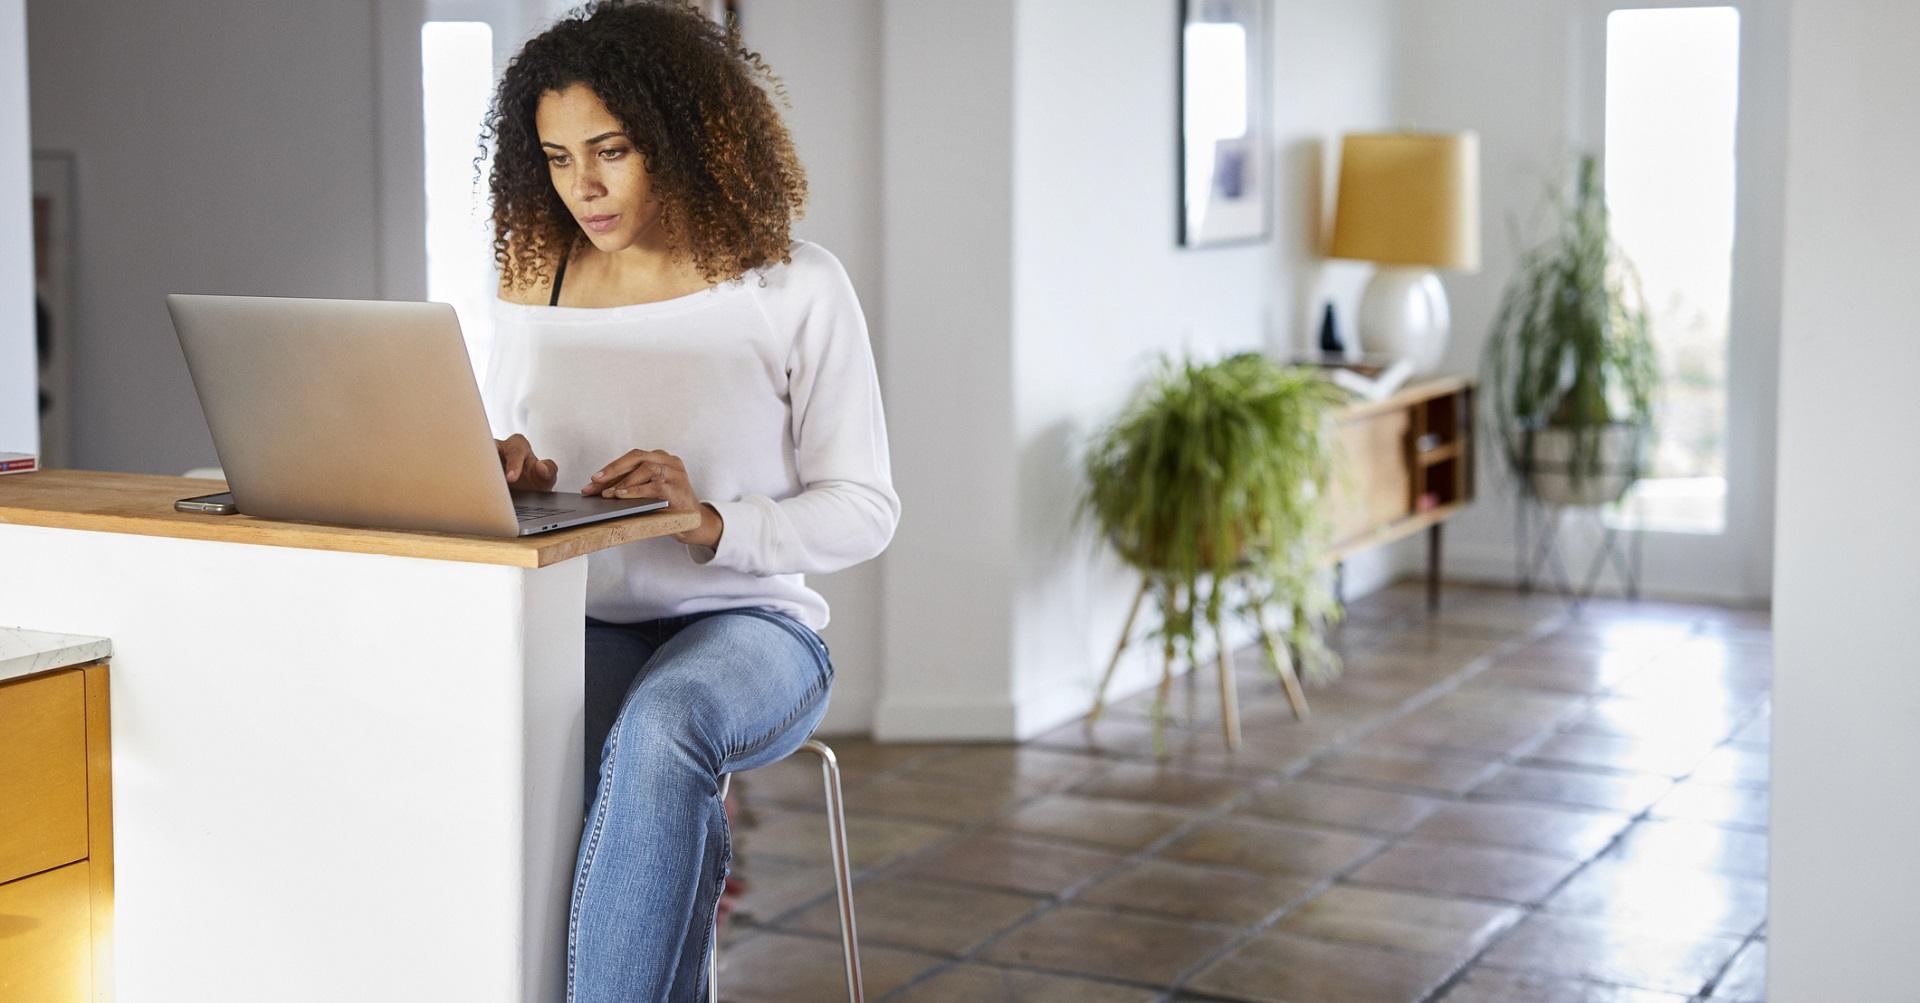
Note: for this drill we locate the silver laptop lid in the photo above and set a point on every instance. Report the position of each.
(345, 411)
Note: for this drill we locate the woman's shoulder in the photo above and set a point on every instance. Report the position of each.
(810, 270)
(806, 254)
(810, 291)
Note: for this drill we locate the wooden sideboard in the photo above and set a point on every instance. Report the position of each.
(1405, 465)
(56, 837)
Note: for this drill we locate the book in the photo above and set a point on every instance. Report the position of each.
(1371, 377)
(18, 463)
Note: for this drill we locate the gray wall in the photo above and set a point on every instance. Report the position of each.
(947, 77)
(1845, 898)
(827, 53)
(19, 414)
(220, 146)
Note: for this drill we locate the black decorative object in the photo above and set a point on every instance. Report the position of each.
(1330, 342)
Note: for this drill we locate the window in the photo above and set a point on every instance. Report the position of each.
(1672, 82)
(456, 69)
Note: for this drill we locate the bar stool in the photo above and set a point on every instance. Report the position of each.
(842, 876)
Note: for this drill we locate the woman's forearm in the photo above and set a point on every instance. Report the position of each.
(710, 531)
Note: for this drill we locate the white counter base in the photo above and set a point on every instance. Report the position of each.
(337, 776)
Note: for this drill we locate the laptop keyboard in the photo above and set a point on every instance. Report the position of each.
(525, 512)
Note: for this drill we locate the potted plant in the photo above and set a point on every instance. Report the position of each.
(1211, 483)
(1569, 367)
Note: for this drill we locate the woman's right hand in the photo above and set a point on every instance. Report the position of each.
(523, 469)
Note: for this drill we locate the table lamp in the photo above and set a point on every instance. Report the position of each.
(1410, 203)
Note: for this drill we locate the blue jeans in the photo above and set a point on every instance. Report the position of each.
(671, 705)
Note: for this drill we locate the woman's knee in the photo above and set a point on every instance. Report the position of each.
(666, 726)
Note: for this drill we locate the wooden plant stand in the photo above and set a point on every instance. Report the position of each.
(1407, 465)
(1279, 658)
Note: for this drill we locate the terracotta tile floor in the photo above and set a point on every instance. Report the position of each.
(1505, 802)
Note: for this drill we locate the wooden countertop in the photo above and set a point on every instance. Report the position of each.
(1407, 396)
(142, 505)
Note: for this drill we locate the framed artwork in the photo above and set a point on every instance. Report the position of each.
(53, 304)
(1226, 158)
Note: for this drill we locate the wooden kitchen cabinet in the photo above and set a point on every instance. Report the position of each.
(56, 837)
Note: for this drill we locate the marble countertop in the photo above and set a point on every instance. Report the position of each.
(24, 652)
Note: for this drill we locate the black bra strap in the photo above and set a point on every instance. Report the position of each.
(559, 277)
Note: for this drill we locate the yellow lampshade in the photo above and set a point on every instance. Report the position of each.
(1409, 198)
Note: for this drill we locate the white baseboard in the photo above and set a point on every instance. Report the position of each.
(985, 719)
(1495, 566)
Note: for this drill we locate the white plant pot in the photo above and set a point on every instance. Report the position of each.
(1552, 450)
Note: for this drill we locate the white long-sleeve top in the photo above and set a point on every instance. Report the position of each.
(765, 387)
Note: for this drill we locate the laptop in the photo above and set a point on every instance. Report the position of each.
(361, 413)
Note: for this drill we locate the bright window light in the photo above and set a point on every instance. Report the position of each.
(1672, 85)
(456, 74)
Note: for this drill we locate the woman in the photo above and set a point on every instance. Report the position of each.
(662, 335)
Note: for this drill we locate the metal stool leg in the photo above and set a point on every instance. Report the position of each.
(713, 952)
(842, 876)
(842, 868)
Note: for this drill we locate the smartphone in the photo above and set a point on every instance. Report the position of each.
(220, 504)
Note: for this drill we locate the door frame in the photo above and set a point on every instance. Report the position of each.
(1735, 565)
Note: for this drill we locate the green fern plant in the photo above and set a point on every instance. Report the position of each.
(1570, 348)
(1217, 473)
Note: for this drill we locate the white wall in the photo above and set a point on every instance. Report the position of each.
(947, 80)
(1336, 70)
(827, 53)
(220, 146)
(1101, 286)
(1845, 895)
(19, 384)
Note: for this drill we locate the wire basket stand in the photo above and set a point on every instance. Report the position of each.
(1540, 553)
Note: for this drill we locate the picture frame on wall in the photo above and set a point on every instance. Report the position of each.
(1226, 157)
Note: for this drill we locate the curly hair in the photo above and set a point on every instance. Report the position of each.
(692, 100)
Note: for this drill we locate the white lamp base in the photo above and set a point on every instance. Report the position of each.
(1403, 313)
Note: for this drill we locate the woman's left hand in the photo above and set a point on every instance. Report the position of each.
(652, 473)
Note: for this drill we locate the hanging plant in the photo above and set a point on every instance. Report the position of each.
(1569, 366)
